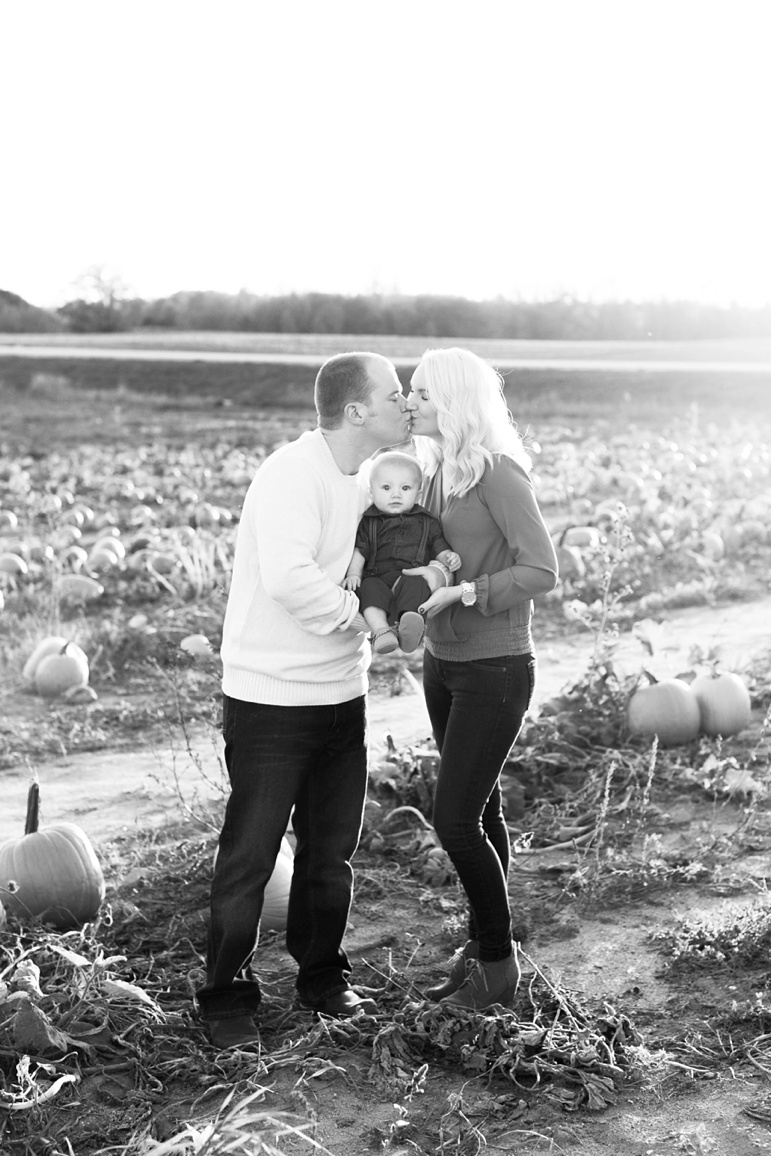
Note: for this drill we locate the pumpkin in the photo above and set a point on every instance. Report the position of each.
(275, 904)
(50, 645)
(724, 702)
(74, 556)
(13, 564)
(61, 671)
(569, 560)
(99, 560)
(112, 543)
(668, 709)
(581, 536)
(196, 644)
(52, 874)
(78, 588)
(712, 545)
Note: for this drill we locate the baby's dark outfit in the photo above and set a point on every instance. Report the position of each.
(391, 543)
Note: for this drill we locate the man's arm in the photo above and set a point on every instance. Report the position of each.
(289, 546)
(436, 574)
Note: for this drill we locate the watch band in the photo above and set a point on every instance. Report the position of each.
(468, 593)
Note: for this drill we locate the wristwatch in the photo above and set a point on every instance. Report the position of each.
(468, 593)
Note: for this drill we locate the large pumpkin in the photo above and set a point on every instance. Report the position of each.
(724, 702)
(53, 644)
(52, 874)
(668, 709)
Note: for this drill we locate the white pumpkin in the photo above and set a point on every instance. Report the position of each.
(78, 588)
(275, 905)
(724, 702)
(46, 646)
(197, 644)
(62, 671)
(668, 709)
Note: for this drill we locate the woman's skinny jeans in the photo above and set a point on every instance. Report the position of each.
(476, 710)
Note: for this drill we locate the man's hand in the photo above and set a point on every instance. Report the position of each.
(446, 596)
(432, 574)
(351, 582)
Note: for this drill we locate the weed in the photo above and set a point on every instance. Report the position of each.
(734, 936)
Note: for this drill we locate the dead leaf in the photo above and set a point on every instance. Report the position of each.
(34, 1032)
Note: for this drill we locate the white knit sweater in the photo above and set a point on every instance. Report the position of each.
(285, 638)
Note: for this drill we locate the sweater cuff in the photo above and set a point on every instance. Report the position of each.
(353, 611)
(483, 592)
(446, 571)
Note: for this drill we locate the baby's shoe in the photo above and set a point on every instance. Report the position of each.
(411, 628)
(384, 641)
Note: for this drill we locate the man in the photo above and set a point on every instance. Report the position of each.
(295, 661)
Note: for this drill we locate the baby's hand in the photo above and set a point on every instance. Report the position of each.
(450, 559)
(351, 582)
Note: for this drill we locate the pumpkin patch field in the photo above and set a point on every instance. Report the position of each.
(638, 795)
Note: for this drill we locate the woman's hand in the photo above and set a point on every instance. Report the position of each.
(439, 600)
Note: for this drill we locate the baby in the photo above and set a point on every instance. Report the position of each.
(395, 534)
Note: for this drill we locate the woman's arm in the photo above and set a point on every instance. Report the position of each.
(508, 494)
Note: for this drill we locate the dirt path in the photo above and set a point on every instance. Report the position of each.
(112, 794)
(605, 954)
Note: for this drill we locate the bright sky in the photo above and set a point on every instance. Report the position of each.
(605, 148)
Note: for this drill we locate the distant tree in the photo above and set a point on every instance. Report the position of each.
(101, 304)
(18, 316)
(424, 315)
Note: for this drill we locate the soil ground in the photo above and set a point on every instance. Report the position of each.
(602, 952)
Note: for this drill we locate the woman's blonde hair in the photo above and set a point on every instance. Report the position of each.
(472, 416)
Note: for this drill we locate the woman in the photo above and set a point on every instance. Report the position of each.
(479, 664)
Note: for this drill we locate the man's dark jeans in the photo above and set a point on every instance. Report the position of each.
(476, 710)
(312, 758)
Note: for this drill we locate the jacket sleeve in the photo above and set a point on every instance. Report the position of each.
(288, 515)
(362, 539)
(507, 492)
(436, 539)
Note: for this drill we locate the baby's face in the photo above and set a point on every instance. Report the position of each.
(395, 489)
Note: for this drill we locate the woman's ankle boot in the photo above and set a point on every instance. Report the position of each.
(486, 984)
(458, 967)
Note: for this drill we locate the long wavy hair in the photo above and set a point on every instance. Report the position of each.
(472, 416)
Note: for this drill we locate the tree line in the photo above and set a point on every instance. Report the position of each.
(423, 315)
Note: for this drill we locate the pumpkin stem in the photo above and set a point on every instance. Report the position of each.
(652, 680)
(33, 809)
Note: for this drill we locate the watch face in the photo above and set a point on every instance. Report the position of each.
(468, 595)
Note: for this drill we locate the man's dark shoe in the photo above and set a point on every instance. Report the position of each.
(342, 1005)
(234, 1032)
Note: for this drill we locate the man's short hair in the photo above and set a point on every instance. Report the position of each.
(342, 379)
